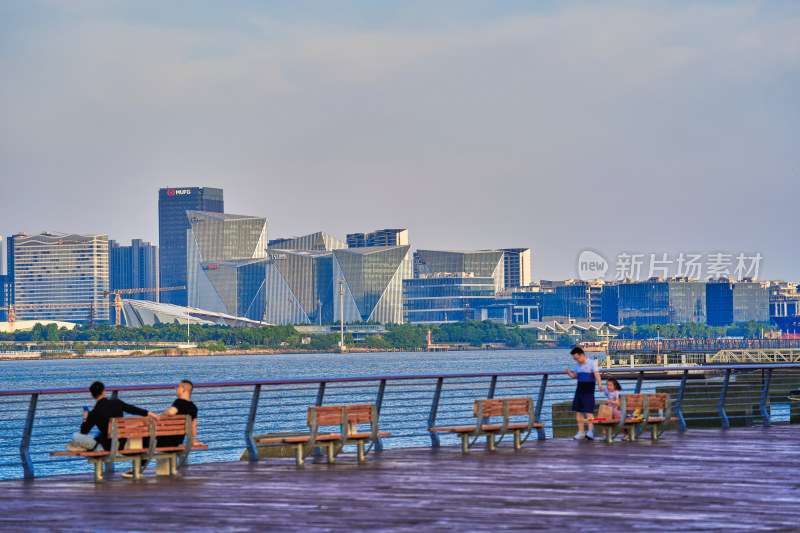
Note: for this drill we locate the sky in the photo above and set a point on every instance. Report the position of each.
(657, 127)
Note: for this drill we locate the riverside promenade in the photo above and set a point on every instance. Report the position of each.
(738, 479)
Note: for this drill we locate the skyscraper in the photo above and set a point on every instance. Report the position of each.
(59, 269)
(482, 263)
(380, 237)
(133, 267)
(172, 227)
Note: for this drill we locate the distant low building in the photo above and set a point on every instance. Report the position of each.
(655, 301)
(731, 302)
(553, 330)
(381, 237)
(447, 297)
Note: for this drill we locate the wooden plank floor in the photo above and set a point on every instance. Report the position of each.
(745, 479)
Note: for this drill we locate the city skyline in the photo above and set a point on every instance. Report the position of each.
(615, 126)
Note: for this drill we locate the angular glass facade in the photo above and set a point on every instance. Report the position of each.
(567, 301)
(227, 262)
(441, 298)
(372, 279)
(172, 227)
(731, 302)
(484, 263)
(316, 241)
(299, 287)
(60, 269)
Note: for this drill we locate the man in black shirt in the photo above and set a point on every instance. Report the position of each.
(183, 405)
(104, 409)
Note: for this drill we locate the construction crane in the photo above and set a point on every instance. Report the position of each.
(118, 300)
(12, 316)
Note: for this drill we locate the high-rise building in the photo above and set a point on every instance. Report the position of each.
(133, 267)
(482, 263)
(572, 299)
(172, 228)
(59, 269)
(372, 281)
(5, 295)
(226, 257)
(381, 237)
(517, 265)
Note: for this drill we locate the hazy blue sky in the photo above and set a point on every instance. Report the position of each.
(641, 126)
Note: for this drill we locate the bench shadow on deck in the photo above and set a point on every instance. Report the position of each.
(737, 479)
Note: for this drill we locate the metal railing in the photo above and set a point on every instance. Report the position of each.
(36, 422)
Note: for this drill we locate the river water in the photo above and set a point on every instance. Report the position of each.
(78, 373)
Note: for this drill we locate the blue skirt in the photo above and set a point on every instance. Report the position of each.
(584, 397)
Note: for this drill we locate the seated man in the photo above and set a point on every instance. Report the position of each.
(183, 405)
(104, 409)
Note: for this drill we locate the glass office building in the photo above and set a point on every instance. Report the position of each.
(226, 260)
(482, 264)
(372, 281)
(172, 228)
(66, 270)
(299, 287)
(655, 302)
(441, 298)
(729, 302)
(381, 237)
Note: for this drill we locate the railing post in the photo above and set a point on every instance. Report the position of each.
(723, 416)
(492, 387)
(638, 388)
(539, 405)
(320, 398)
(378, 405)
(24, 446)
(252, 451)
(762, 406)
(679, 402)
(434, 408)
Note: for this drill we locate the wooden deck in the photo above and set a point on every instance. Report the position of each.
(703, 480)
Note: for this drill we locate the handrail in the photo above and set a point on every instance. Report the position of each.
(307, 381)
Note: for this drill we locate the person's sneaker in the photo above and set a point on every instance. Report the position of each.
(75, 448)
(579, 436)
(590, 435)
(128, 474)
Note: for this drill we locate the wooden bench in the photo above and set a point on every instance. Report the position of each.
(484, 411)
(344, 418)
(613, 426)
(134, 429)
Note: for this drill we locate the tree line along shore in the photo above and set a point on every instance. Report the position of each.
(52, 340)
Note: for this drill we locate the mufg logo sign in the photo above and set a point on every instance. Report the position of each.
(178, 192)
(591, 265)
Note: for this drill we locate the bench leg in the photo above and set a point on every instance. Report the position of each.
(299, 454)
(517, 441)
(98, 471)
(464, 443)
(361, 451)
(331, 451)
(137, 468)
(654, 431)
(632, 433)
(490, 442)
(173, 465)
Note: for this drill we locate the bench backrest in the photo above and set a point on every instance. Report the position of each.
(132, 427)
(505, 407)
(494, 406)
(657, 401)
(631, 402)
(347, 417)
